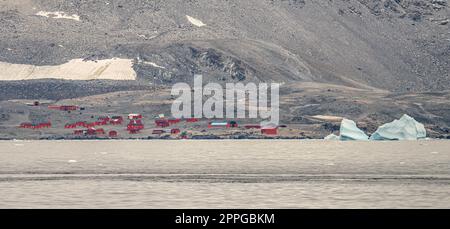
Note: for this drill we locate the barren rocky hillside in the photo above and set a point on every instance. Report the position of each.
(401, 45)
(368, 60)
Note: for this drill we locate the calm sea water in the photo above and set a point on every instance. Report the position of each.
(224, 174)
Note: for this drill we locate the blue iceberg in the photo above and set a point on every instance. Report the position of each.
(406, 128)
(350, 132)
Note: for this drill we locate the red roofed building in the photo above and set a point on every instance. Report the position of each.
(162, 123)
(269, 130)
(78, 132)
(26, 125)
(44, 125)
(135, 126)
(174, 121)
(70, 126)
(113, 134)
(134, 116)
(116, 120)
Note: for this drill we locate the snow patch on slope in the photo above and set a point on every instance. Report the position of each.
(76, 69)
(195, 21)
(154, 65)
(58, 15)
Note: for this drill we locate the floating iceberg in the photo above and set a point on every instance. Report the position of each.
(332, 137)
(349, 131)
(407, 128)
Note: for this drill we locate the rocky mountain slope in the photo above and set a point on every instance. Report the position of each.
(401, 45)
(368, 60)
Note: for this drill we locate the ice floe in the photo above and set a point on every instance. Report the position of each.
(332, 137)
(406, 128)
(58, 15)
(195, 21)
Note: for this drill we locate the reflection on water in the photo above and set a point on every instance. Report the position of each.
(224, 174)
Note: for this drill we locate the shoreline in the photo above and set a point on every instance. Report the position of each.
(218, 139)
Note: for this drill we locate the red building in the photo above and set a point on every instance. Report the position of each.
(233, 124)
(192, 120)
(162, 123)
(70, 126)
(100, 131)
(78, 132)
(117, 117)
(269, 130)
(175, 131)
(104, 119)
(113, 134)
(135, 126)
(78, 124)
(134, 116)
(26, 125)
(89, 125)
(93, 131)
(44, 125)
(174, 121)
(116, 120)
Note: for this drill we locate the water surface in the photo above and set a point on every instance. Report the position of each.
(224, 174)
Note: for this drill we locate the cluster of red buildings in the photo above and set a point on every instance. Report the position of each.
(91, 130)
(102, 121)
(28, 125)
(166, 122)
(163, 123)
(135, 125)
